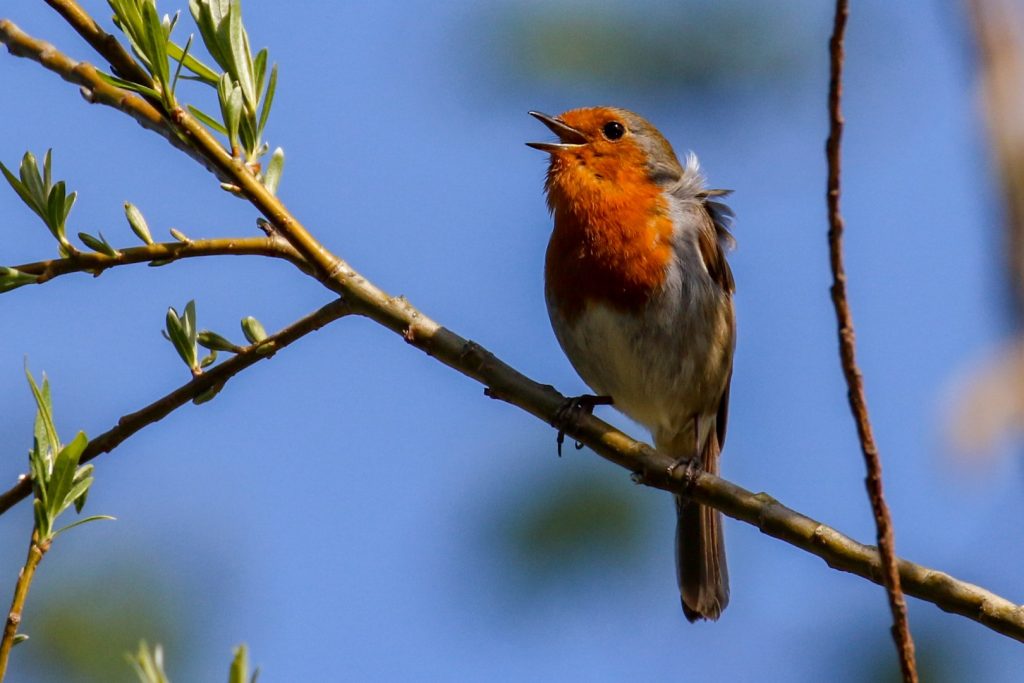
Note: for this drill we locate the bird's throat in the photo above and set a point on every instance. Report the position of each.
(611, 244)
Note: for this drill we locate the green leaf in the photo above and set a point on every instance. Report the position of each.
(208, 120)
(253, 330)
(203, 13)
(44, 415)
(268, 100)
(69, 202)
(208, 395)
(259, 66)
(29, 173)
(78, 492)
(137, 223)
(176, 333)
(48, 169)
(12, 278)
(181, 330)
(230, 97)
(241, 57)
(209, 360)
(272, 176)
(156, 47)
(215, 342)
(55, 209)
(38, 469)
(61, 487)
(189, 321)
(239, 671)
(41, 520)
(99, 244)
(20, 638)
(84, 472)
(204, 73)
(85, 520)
(129, 85)
(247, 135)
(20, 188)
(177, 70)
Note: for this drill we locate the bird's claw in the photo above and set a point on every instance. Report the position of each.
(569, 413)
(691, 468)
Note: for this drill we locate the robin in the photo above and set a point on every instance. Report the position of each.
(639, 293)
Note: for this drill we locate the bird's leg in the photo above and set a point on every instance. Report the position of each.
(692, 464)
(569, 413)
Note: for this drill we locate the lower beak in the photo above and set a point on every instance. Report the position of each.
(569, 137)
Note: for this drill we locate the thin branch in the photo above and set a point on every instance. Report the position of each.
(207, 381)
(101, 41)
(95, 262)
(36, 550)
(847, 353)
(542, 401)
(94, 89)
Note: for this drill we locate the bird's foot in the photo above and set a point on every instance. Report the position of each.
(691, 468)
(569, 413)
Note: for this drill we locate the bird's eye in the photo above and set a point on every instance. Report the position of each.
(613, 130)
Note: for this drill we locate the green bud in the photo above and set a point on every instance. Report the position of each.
(97, 244)
(216, 342)
(208, 394)
(137, 222)
(253, 330)
(12, 278)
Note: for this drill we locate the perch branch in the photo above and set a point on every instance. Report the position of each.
(543, 401)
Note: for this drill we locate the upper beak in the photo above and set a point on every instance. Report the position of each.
(569, 136)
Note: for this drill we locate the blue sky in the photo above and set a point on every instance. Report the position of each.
(330, 507)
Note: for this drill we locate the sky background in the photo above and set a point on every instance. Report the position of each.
(354, 510)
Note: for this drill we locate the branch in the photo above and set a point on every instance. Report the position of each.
(847, 353)
(210, 380)
(94, 89)
(36, 550)
(542, 401)
(101, 41)
(95, 262)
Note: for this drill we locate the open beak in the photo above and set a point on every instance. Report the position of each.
(569, 137)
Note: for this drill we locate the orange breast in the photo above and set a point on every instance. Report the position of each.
(611, 243)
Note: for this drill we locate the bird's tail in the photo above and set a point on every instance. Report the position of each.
(700, 550)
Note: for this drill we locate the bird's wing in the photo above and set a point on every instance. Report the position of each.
(722, 418)
(714, 238)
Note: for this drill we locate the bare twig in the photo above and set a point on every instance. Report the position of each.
(543, 401)
(95, 263)
(847, 353)
(36, 550)
(199, 385)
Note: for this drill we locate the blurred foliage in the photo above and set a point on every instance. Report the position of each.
(699, 43)
(580, 519)
(81, 628)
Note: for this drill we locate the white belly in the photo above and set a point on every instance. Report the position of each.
(663, 368)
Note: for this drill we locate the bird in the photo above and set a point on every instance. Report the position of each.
(640, 297)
